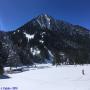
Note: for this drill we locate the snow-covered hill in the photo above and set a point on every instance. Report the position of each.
(48, 77)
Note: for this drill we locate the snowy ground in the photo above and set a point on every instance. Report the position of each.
(47, 77)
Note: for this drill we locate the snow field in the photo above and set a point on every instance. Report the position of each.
(48, 77)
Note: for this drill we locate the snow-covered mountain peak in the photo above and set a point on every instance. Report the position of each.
(44, 15)
(44, 20)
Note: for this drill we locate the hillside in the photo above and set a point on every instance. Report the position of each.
(45, 39)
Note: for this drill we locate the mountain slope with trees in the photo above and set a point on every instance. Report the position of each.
(45, 39)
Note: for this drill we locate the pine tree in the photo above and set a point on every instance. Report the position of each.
(57, 58)
(1, 70)
(3, 56)
(13, 59)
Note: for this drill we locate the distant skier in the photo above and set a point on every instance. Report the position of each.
(83, 73)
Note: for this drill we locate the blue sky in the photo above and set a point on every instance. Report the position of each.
(14, 13)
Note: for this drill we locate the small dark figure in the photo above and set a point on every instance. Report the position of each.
(83, 73)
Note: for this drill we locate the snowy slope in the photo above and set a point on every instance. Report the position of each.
(47, 77)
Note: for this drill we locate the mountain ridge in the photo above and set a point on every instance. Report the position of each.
(44, 15)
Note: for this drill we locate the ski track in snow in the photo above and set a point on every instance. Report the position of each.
(48, 77)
